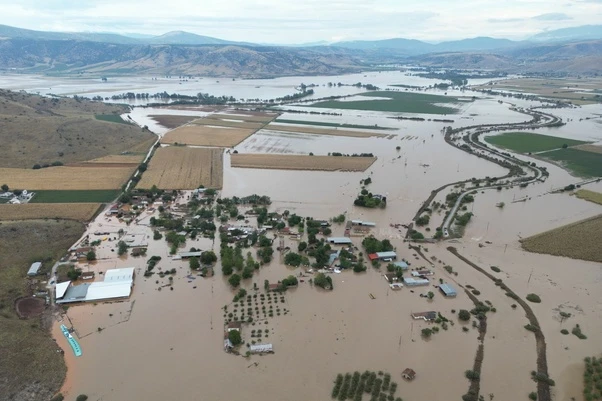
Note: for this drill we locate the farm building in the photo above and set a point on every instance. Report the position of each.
(419, 273)
(261, 348)
(428, 316)
(363, 223)
(34, 268)
(186, 255)
(340, 240)
(383, 256)
(402, 265)
(448, 290)
(117, 283)
(234, 326)
(408, 374)
(415, 282)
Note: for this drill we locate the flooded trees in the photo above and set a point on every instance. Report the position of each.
(323, 281)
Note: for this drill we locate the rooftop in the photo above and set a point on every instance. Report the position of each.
(339, 240)
(448, 290)
(35, 267)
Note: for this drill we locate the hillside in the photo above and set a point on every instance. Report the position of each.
(38, 130)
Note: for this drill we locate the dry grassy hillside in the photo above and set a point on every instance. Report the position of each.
(39, 130)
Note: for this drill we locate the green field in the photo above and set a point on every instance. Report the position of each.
(400, 102)
(82, 196)
(335, 125)
(585, 164)
(111, 118)
(523, 142)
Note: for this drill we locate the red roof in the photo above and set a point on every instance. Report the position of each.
(373, 256)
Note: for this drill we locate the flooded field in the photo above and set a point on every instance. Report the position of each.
(178, 334)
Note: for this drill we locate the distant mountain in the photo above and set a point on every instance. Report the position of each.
(411, 46)
(472, 44)
(185, 38)
(584, 32)
(12, 32)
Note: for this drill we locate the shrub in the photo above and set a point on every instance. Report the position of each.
(533, 396)
(496, 269)
(564, 331)
(533, 298)
(427, 332)
(577, 331)
(234, 337)
(464, 315)
(472, 375)
(81, 397)
(58, 397)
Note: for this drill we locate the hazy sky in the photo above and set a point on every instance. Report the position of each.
(299, 21)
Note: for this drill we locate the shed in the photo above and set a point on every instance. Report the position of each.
(186, 255)
(408, 374)
(386, 255)
(414, 282)
(340, 240)
(448, 290)
(123, 274)
(35, 267)
(261, 348)
(403, 265)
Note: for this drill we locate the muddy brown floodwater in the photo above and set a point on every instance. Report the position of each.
(168, 344)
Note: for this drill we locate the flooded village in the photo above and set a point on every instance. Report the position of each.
(397, 273)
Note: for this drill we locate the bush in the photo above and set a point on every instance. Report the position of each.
(564, 331)
(496, 269)
(533, 396)
(472, 375)
(157, 235)
(533, 298)
(426, 333)
(234, 337)
(81, 397)
(58, 397)
(464, 315)
(577, 331)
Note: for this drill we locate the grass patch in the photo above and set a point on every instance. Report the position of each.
(523, 142)
(580, 240)
(400, 102)
(591, 196)
(582, 163)
(84, 196)
(335, 125)
(111, 118)
(28, 352)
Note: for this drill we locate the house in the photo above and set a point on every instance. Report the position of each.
(408, 374)
(363, 223)
(234, 326)
(448, 290)
(422, 273)
(261, 348)
(402, 265)
(340, 241)
(384, 256)
(415, 282)
(34, 269)
(391, 277)
(427, 316)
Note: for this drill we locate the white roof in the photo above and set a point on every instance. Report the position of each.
(261, 347)
(415, 281)
(108, 290)
(389, 254)
(61, 288)
(116, 275)
(340, 240)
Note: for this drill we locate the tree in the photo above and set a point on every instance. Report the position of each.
(234, 280)
(323, 281)
(464, 315)
(91, 255)
(290, 281)
(292, 259)
(426, 333)
(208, 257)
(234, 337)
(302, 246)
(4, 187)
(430, 295)
(81, 397)
(194, 263)
(122, 248)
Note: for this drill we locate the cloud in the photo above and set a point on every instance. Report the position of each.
(504, 20)
(552, 17)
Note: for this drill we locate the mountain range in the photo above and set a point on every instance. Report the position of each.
(575, 50)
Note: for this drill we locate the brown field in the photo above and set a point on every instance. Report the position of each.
(580, 240)
(30, 367)
(32, 211)
(589, 148)
(322, 131)
(591, 196)
(301, 162)
(207, 136)
(120, 159)
(65, 177)
(231, 124)
(177, 167)
(172, 121)
(246, 116)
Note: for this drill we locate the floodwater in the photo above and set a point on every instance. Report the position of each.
(167, 344)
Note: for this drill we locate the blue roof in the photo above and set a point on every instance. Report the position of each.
(401, 264)
(447, 289)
